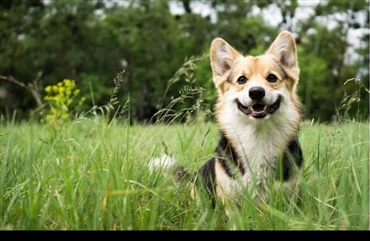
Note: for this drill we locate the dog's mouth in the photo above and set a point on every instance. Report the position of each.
(258, 110)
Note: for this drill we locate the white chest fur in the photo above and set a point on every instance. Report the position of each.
(258, 143)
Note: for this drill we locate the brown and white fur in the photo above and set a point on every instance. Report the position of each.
(258, 113)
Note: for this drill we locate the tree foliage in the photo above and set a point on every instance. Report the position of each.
(44, 42)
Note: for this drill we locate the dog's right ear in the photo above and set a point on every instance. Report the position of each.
(222, 56)
(284, 48)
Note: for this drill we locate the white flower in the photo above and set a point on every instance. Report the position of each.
(164, 162)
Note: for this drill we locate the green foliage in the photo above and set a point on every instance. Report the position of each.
(92, 177)
(314, 98)
(325, 44)
(92, 174)
(350, 104)
(91, 41)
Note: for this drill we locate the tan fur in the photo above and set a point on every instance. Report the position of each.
(228, 65)
(258, 113)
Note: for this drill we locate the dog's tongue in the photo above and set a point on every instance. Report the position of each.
(258, 107)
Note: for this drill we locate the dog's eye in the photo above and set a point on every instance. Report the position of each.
(272, 78)
(242, 80)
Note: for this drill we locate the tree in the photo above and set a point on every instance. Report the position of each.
(54, 39)
(326, 37)
(18, 20)
(44, 42)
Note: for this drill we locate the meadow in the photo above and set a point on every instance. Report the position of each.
(93, 175)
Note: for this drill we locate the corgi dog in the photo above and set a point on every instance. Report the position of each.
(258, 113)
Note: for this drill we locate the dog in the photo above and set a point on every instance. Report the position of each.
(258, 113)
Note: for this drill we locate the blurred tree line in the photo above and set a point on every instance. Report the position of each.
(44, 42)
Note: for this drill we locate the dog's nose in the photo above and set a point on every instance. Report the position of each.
(256, 93)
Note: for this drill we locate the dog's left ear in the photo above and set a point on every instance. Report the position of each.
(284, 48)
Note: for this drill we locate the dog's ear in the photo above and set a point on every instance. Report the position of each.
(222, 56)
(284, 48)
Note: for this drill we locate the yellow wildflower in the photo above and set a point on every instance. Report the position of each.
(48, 89)
(55, 88)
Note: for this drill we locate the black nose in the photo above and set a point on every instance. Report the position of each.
(256, 93)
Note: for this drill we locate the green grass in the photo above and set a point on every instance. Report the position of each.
(93, 176)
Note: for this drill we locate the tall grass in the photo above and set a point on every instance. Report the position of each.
(95, 177)
(92, 174)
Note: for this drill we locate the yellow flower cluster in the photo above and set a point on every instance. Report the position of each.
(61, 99)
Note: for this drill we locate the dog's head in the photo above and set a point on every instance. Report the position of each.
(256, 88)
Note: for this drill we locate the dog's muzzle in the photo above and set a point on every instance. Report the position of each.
(258, 110)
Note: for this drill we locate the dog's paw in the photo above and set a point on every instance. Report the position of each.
(164, 162)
